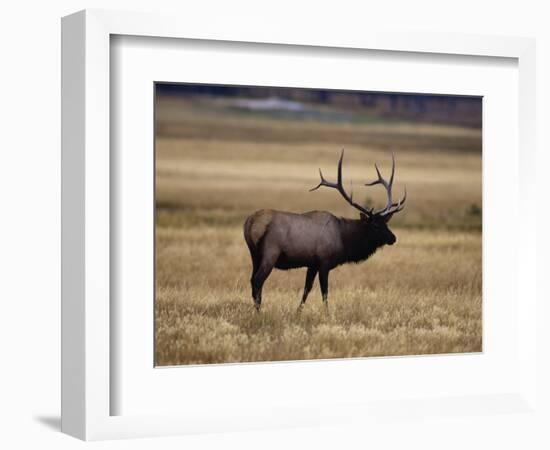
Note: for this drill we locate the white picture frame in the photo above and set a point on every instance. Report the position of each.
(87, 385)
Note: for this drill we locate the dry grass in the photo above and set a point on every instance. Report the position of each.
(422, 295)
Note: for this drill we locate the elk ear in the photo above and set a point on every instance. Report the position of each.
(364, 217)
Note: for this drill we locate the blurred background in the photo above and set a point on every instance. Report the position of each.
(339, 105)
(224, 151)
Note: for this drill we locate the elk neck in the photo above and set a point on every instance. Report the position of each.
(360, 242)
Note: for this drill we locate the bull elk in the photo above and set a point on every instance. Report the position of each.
(318, 240)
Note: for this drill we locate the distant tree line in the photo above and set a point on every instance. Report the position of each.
(458, 110)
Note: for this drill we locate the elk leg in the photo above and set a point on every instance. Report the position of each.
(323, 281)
(258, 279)
(310, 278)
(255, 264)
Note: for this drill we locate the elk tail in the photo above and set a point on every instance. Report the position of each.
(247, 231)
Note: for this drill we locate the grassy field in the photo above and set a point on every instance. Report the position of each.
(215, 166)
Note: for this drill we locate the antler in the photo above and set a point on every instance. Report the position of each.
(390, 208)
(340, 188)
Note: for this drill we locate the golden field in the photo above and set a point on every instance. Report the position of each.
(215, 166)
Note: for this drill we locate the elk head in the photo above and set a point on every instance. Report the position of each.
(375, 222)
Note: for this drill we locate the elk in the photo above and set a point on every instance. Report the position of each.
(318, 240)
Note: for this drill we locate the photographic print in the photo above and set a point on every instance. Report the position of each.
(302, 224)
